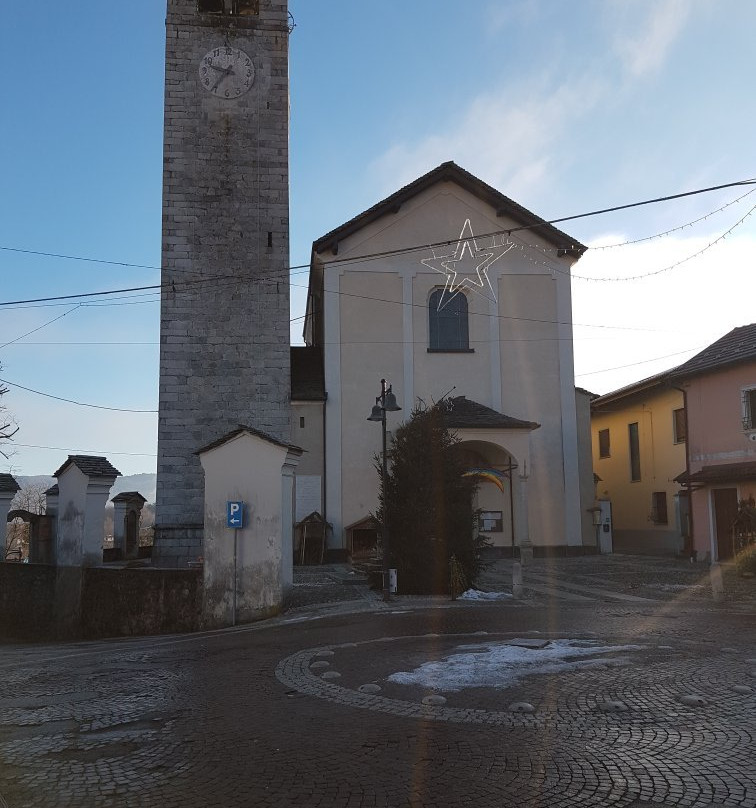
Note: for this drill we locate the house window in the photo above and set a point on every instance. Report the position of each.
(447, 328)
(635, 469)
(749, 408)
(659, 507)
(301, 421)
(603, 439)
(680, 425)
(491, 521)
(210, 6)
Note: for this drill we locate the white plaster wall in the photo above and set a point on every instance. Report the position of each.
(247, 469)
(81, 517)
(6, 497)
(521, 362)
(72, 503)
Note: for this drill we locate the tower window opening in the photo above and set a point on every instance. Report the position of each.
(210, 6)
(246, 8)
(236, 8)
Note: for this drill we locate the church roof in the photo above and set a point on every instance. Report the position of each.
(307, 375)
(463, 413)
(739, 345)
(90, 465)
(451, 172)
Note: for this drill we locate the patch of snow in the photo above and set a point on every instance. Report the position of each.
(476, 594)
(502, 665)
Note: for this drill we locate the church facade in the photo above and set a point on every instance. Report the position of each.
(453, 293)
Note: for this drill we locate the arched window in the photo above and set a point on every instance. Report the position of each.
(447, 327)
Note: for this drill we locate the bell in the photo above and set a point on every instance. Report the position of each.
(376, 414)
(391, 405)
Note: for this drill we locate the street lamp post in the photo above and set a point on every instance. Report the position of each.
(385, 402)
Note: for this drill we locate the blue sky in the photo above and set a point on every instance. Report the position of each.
(565, 107)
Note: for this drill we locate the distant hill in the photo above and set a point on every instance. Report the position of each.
(144, 483)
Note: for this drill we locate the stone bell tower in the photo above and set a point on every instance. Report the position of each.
(224, 319)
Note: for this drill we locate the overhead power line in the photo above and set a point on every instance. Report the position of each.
(372, 256)
(72, 401)
(85, 451)
(642, 362)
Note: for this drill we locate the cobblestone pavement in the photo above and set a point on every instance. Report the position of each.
(609, 699)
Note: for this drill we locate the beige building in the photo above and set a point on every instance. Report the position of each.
(451, 292)
(638, 435)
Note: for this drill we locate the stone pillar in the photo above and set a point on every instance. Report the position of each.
(522, 535)
(8, 489)
(84, 484)
(287, 520)
(127, 509)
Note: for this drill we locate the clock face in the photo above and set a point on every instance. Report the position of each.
(226, 72)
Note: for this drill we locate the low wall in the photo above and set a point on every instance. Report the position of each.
(44, 602)
(27, 594)
(648, 542)
(128, 602)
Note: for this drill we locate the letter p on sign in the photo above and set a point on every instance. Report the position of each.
(234, 514)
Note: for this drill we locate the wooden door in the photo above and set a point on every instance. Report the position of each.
(725, 511)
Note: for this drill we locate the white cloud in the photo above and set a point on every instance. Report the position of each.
(667, 317)
(645, 49)
(506, 135)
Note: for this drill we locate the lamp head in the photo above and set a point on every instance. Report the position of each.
(390, 404)
(376, 413)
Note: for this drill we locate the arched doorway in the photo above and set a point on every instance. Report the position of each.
(496, 471)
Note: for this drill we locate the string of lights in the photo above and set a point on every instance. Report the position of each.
(295, 269)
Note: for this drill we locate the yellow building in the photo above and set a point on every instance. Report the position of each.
(638, 438)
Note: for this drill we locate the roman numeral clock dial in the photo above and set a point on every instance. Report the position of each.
(226, 72)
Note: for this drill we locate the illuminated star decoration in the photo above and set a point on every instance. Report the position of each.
(473, 262)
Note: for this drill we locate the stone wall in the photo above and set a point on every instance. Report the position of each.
(27, 595)
(128, 602)
(224, 356)
(44, 602)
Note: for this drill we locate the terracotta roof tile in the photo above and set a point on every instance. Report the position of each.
(737, 346)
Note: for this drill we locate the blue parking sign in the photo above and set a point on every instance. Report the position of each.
(234, 514)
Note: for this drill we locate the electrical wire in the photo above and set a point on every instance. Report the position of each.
(87, 451)
(642, 362)
(39, 328)
(372, 256)
(72, 401)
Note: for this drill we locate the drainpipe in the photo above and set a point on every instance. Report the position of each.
(325, 476)
(691, 546)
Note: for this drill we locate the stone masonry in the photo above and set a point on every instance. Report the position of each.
(224, 336)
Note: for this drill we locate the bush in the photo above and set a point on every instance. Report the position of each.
(429, 506)
(745, 560)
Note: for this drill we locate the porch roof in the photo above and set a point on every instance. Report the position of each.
(723, 473)
(463, 413)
